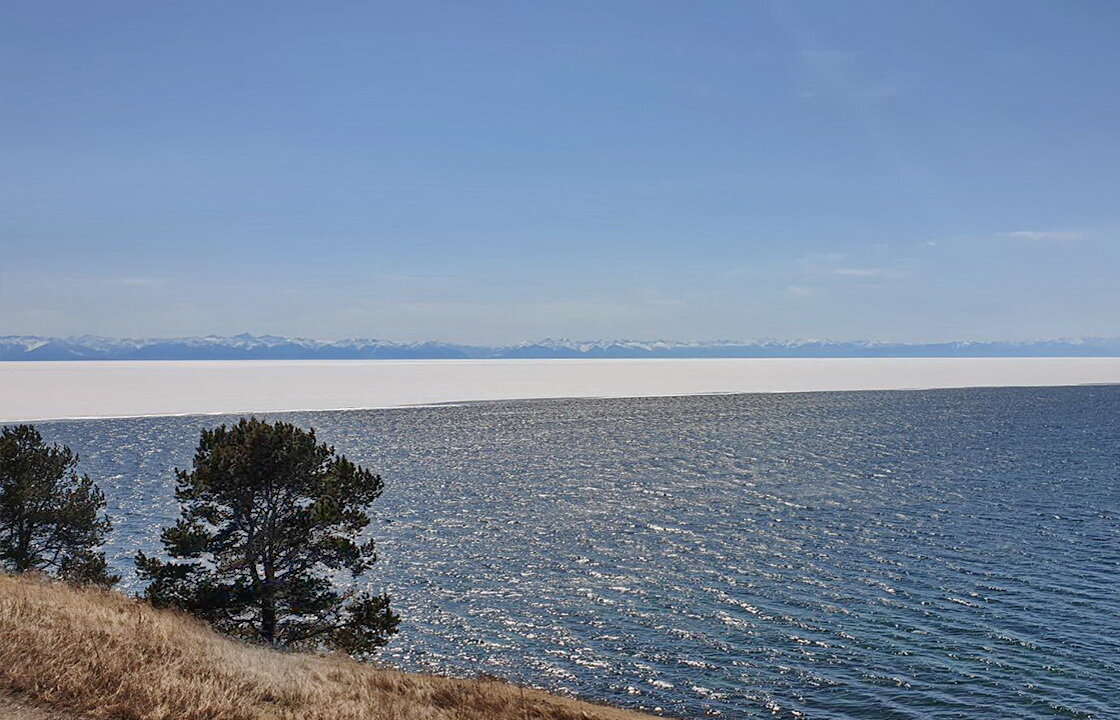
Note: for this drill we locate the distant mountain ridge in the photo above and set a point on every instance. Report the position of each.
(271, 347)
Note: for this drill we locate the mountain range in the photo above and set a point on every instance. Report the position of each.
(270, 347)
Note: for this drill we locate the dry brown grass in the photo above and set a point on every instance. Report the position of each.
(100, 654)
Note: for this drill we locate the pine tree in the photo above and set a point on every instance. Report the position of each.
(269, 519)
(50, 517)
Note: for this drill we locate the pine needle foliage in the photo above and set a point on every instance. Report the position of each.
(269, 520)
(50, 516)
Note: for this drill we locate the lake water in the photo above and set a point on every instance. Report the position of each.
(932, 554)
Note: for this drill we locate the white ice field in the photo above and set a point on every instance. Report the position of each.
(54, 390)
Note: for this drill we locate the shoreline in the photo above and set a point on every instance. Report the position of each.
(71, 652)
(97, 390)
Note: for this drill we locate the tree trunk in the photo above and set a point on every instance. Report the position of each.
(23, 560)
(268, 604)
(268, 618)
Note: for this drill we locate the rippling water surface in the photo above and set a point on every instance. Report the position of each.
(940, 554)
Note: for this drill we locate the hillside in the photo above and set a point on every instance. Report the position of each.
(86, 653)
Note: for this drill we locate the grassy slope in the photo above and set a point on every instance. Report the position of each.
(93, 653)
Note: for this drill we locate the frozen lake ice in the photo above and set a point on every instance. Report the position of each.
(55, 390)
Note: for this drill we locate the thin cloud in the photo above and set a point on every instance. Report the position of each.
(1043, 235)
(828, 265)
(861, 272)
(805, 291)
(839, 73)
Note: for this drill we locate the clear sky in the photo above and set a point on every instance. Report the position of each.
(504, 171)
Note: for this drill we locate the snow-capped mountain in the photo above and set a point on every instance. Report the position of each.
(271, 347)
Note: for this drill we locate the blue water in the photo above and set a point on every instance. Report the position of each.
(940, 554)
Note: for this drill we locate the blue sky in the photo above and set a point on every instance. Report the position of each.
(504, 171)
